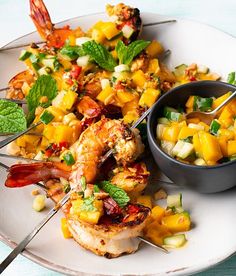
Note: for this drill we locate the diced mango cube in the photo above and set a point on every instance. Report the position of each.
(190, 101)
(157, 213)
(154, 48)
(65, 230)
(63, 133)
(145, 200)
(171, 133)
(49, 132)
(186, 132)
(125, 96)
(153, 66)
(157, 232)
(57, 113)
(130, 106)
(139, 78)
(109, 29)
(210, 147)
(220, 100)
(149, 97)
(223, 141)
(177, 222)
(231, 148)
(131, 117)
(106, 95)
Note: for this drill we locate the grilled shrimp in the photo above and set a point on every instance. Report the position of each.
(42, 21)
(126, 16)
(92, 144)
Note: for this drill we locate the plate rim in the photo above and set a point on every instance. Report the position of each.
(62, 269)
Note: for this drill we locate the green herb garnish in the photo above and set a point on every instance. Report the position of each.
(127, 53)
(231, 78)
(202, 104)
(46, 117)
(72, 52)
(100, 55)
(12, 117)
(88, 204)
(118, 194)
(44, 86)
(68, 158)
(83, 183)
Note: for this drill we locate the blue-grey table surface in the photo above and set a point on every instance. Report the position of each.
(218, 13)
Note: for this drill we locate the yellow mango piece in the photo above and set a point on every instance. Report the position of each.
(231, 148)
(130, 117)
(220, 100)
(157, 213)
(210, 147)
(229, 134)
(90, 217)
(44, 143)
(149, 97)
(197, 145)
(65, 230)
(69, 100)
(154, 49)
(49, 133)
(206, 127)
(63, 133)
(185, 132)
(226, 117)
(177, 222)
(232, 106)
(109, 29)
(190, 101)
(139, 78)
(125, 96)
(157, 232)
(106, 95)
(171, 133)
(153, 66)
(21, 142)
(32, 139)
(98, 36)
(57, 113)
(130, 106)
(145, 200)
(223, 141)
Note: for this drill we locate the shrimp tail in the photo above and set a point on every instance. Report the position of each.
(41, 18)
(21, 175)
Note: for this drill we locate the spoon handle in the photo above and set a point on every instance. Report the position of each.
(15, 136)
(224, 103)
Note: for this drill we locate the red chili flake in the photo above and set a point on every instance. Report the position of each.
(48, 152)
(75, 71)
(63, 144)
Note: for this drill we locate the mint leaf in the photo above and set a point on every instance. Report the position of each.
(44, 86)
(231, 78)
(118, 194)
(73, 52)
(100, 55)
(12, 117)
(127, 53)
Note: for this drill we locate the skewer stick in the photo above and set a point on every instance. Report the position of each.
(21, 246)
(41, 42)
(20, 158)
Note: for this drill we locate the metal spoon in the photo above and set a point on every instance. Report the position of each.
(207, 117)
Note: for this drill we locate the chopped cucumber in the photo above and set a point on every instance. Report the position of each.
(180, 70)
(174, 200)
(163, 120)
(175, 241)
(39, 156)
(214, 127)
(183, 149)
(202, 104)
(188, 139)
(199, 162)
(43, 71)
(231, 78)
(127, 31)
(196, 126)
(202, 69)
(49, 62)
(172, 114)
(81, 40)
(159, 130)
(46, 117)
(24, 55)
(167, 147)
(105, 83)
(83, 61)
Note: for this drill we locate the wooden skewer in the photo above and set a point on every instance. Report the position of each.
(41, 42)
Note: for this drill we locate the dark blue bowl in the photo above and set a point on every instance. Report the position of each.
(204, 179)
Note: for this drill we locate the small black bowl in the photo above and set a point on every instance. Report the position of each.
(204, 179)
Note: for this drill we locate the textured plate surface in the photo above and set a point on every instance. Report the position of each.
(212, 238)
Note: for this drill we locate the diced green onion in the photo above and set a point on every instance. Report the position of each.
(83, 183)
(68, 158)
(214, 127)
(180, 70)
(175, 241)
(96, 189)
(24, 55)
(46, 117)
(202, 104)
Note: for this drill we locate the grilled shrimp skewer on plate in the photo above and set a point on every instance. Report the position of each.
(96, 221)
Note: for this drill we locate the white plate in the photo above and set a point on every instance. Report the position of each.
(212, 238)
